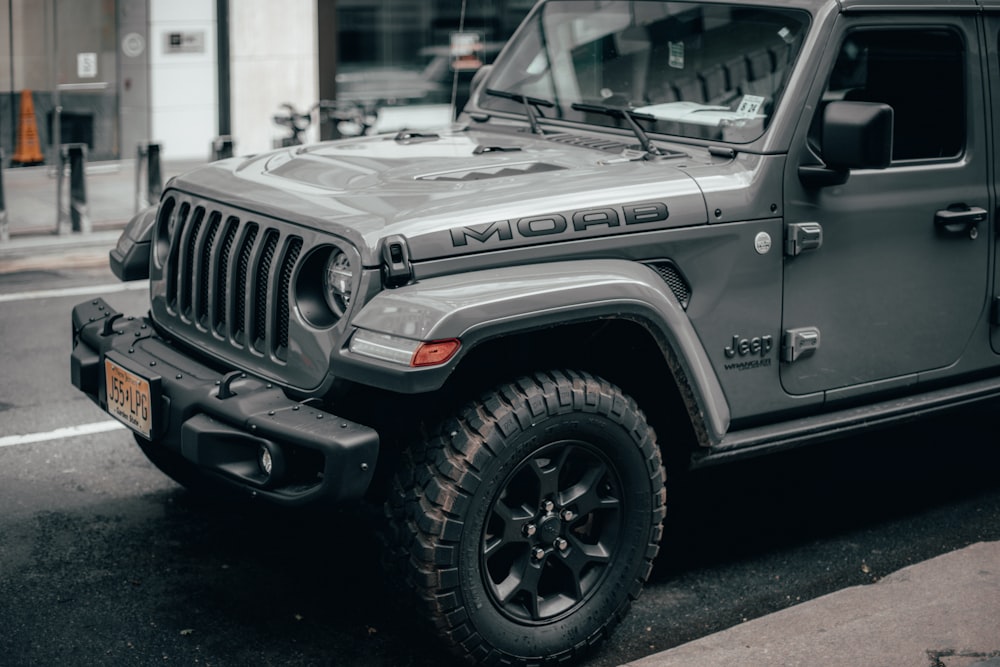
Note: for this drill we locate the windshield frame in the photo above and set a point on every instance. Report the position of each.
(532, 65)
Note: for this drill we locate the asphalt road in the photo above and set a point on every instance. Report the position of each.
(105, 561)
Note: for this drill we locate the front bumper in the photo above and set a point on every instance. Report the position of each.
(223, 422)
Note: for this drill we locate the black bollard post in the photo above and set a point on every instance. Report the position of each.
(148, 158)
(222, 147)
(62, 208)
(77, 218)
(4, 226)
(154, 180)
(140, 157)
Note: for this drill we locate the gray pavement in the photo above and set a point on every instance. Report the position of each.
(944, 612)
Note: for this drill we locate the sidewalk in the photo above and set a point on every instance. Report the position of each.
(944, 612)
(30, 198)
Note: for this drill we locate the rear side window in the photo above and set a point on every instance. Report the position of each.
(920, 73)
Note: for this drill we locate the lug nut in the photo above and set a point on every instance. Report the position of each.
(530, 529)
(567, 515)
(538, 553)
(560, 544)
(548, 505)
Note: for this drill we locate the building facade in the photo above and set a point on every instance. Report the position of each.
(117, 73)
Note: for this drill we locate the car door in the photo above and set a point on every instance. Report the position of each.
(891, 279)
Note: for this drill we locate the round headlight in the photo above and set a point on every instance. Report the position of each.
(337, 282)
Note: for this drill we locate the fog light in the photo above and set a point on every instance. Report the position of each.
(265, 461)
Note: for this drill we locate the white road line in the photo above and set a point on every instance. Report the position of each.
(75, 291)
(60, 433)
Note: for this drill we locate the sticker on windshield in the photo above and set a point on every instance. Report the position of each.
(676, 59)
(750, 106)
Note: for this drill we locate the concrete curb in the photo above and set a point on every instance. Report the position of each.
(944, 612)
(29, 253)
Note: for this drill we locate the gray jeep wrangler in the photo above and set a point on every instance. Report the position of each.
(663, 234)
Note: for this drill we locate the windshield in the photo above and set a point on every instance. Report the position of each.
(695, 70)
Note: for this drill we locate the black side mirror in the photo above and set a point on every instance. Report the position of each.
(855, 135)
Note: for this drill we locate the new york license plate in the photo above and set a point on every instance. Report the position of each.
(129, 398)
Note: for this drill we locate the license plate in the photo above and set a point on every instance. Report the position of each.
(129, 398)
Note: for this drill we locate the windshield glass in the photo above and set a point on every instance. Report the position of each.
(698, 70)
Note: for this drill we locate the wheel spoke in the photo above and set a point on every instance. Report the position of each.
(521, 586)
(532, 575)
(547, 475)
(491, 546)
(514, 521)
(586, 495)
(591, 553)
(579, 557)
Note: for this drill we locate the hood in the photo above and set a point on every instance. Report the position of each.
(458, 192)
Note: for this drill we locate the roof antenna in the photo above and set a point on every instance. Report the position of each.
(451, 63)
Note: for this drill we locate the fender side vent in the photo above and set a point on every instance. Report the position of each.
(671, 275)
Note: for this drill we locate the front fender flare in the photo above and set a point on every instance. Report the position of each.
(129, 259)
(475, 307)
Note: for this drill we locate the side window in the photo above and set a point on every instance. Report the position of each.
(920, 74)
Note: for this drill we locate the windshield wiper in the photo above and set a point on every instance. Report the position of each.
(531, 106)
(630, 117)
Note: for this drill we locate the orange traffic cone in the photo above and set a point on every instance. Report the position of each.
(27, 151)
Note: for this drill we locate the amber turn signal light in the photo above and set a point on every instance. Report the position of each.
(435, 352)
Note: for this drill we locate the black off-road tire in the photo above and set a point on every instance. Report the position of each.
(530, 520)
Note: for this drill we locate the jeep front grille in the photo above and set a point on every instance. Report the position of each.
(247, 290)
(232, 277)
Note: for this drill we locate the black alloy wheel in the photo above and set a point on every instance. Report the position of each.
(552, 532)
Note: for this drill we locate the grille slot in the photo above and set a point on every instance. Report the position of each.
(189, 241)
(242, 281)
(283, 297)
(204, 270)
(180, 223)
(221, 276)
(261, 283)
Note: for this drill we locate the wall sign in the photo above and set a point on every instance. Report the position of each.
(189, 41)
(86, 65)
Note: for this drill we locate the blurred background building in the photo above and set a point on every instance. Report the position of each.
(115, 73)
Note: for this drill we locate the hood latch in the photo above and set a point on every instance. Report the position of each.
(396, 267)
